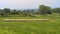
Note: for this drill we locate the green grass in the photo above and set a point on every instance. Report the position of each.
(31, 27)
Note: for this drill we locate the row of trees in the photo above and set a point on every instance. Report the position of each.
(8, 12)
(42, 10)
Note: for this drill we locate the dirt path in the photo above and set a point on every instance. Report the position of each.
(24, 19)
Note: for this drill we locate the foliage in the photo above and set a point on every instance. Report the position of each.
(44, 10)
(56, 10)
(6, 10)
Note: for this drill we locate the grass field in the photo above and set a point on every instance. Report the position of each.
(30, 27)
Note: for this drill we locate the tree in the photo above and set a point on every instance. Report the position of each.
(6, 10)
(15, 12)
(26, 12)
(2, 14)
(56, 10)
(44, 10)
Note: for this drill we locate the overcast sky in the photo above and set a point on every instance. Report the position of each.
(28, 4)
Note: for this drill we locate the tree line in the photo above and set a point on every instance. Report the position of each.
(42, 10)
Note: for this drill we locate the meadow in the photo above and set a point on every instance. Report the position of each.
(31, 27)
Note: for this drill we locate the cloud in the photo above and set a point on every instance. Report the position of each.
(27, 3)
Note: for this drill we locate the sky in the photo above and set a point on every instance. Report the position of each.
(28, 4)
